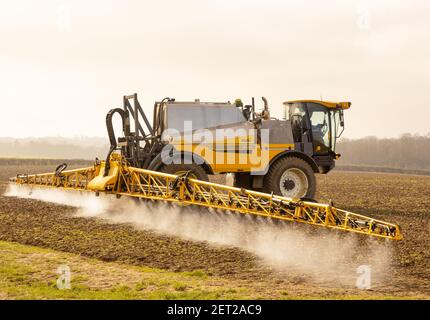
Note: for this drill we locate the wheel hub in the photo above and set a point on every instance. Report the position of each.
(294, 183)
(289, 184)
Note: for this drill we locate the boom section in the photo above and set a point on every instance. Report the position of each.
(124, 180)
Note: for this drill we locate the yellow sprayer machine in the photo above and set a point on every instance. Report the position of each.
(273, 161)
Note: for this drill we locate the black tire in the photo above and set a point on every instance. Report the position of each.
(299, 172)
(242, 180)
(196, 171)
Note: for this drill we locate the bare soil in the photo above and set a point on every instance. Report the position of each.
(403, 199)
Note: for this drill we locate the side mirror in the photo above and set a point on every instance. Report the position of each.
(341, 123)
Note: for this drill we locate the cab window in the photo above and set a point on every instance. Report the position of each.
(293, 110)
(320, 123)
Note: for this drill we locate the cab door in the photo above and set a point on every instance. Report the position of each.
(321, 131)
(300, 125)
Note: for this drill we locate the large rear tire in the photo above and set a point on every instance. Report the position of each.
(196, 171)
(290, 177)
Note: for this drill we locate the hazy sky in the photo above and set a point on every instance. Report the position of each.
(64, 64)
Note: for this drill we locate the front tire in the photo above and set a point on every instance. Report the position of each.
(290, 177)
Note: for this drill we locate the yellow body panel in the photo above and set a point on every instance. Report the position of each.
(235, 157)
(102, 183)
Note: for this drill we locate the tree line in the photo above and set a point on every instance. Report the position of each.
(405, 152)
(55, 148)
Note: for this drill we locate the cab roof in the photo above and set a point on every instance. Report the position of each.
(328, 104)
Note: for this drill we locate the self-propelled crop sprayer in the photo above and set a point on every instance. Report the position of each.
(160, 164)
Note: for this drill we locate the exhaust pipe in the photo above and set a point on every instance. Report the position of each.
(265, 114)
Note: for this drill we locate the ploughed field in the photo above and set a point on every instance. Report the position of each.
(398, 198)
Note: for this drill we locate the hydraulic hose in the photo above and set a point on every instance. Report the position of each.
(111, 132)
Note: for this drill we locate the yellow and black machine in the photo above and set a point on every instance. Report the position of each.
(204, 138)
(273, 160)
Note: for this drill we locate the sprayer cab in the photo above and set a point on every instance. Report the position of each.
(316, 126)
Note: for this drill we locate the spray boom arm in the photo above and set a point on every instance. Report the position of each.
(117, 177)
